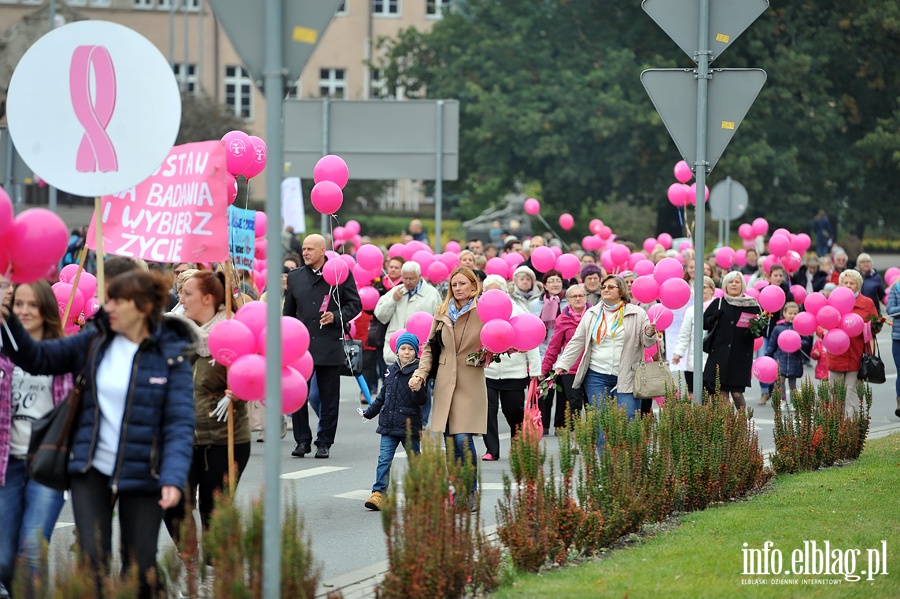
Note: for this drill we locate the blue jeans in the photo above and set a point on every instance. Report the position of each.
(389, 445)
(426, 409)
(895, 350)
(460, 442)
(598, 386)
(29, 512)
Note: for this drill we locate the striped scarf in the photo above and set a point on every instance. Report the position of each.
(602, 329)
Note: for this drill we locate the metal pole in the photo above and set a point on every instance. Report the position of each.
(326, 110)
(51, 190)
(199, 70)
(172, 33)
(274, 88)
(700, 167)
(184, 66)
(729, 181)
(439, 177)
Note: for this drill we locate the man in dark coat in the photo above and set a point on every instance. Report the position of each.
(326, 311)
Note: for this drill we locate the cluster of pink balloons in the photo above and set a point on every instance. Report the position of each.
(330, 176)
(84, 304)
(785, 248)
(240, 345)
(31, 244)
(502, 331)
(244, 155)
(680, 193)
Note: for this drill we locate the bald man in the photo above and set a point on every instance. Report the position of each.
(326, 311)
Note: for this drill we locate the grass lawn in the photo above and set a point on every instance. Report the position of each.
(854, 507)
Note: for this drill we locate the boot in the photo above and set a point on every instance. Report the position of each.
(375, 501)
(897, 411)
(763, 398)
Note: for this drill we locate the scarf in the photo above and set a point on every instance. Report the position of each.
(550, 310)
(203, 333)
(742, 301)
(453, 312)
(602, 329)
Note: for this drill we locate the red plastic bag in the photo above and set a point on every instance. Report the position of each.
(533, 418)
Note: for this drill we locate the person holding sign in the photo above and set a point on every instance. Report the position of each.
(326, 309)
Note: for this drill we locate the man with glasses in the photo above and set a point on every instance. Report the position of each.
(396, 306)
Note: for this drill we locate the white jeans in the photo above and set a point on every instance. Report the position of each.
(851, 402)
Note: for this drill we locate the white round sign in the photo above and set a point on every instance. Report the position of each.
(93, 108)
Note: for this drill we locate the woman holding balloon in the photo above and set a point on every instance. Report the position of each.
(730, 360)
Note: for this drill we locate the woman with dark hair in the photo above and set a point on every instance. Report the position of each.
(29, 509)
(203, 296)
(132, 438)
(548, 306)
(460, 392)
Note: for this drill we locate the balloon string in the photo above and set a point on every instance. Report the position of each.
(549, 228)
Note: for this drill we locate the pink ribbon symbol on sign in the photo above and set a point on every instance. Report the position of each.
(96, 149)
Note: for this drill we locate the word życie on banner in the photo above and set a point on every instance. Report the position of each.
(177, 214)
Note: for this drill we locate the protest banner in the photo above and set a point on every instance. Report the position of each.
(242, 236)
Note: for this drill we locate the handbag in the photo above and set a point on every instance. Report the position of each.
(871, 368)
(353, 358)
(651, 379)
(533, 418)
(51, 441)
(708, 336)
(434, 342)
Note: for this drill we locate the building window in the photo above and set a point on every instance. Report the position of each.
(99, 3)
(332, 83)
(385, 7)
(342, 9)
(144, 4)
(436, 8)
(239, 92)
(379, 86)
(187, 78)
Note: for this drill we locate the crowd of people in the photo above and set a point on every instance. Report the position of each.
(154, 445)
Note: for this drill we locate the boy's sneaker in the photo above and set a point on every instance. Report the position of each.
(375, 501)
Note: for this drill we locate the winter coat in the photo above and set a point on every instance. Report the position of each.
(59, 390)
(731, 355)
(634, 322)
(819, 278)
(893, 309)
(460, 393)
(306, 292)
(210, 383)
(395, 313)
(790, 365)
(566, 323)
(397, 406)
(156, 439)
(850, 359)
(873, 288)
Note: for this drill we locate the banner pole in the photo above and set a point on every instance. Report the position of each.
(232, 483)
(98, 232)
(77, 278)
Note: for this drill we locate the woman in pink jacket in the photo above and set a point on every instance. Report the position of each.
(566, 323)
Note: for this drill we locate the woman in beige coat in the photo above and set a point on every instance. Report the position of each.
(460, 393)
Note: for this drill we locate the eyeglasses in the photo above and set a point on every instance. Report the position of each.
(579, 296)
(609, 287)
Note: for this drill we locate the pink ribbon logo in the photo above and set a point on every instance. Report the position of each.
(96, 150)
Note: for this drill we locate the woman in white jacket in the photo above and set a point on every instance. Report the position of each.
(684, 346)
(506, 382)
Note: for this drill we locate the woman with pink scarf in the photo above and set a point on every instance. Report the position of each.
(549, 305)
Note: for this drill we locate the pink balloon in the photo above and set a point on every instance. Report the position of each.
(768, 262)
(644, 267)
(836, 341)
(260, 157)
(494, 304)
(353, 227)
(362, 276)
(783, 232)
(497, 335)
(842, 299)
(62, 291)
(231, 186)
(532, 206)
(604, 233)
(757, 343)
(68, 272)
(424, 258)
(765, 369)
(814, 302)
(665, 240)
(370, 257)
(514, 259)
(745, 231)
(348, 260)
(566, 221)
(294, 390)
(760, 226)
(530, 331)
(437, 272)
(331, 168)
(693, 196)
(339, 234)
(828, 317)
(801, 243)
(229, 340)
(660, 315)
(557, 251)
(419, 324)
(725, 257)
(791, 261)
(607, 262)
(805, 323)
(37, 240)
(261, 248)
(91, 307)
(453, 246)
(634, 258)
(393, 340)
(853, 324)
(789, 341)
(294, 340)
(335, 272)
(674, 293)
(542, 258)
(6, 213)
(740, 257)
(751, 291)
(799, 293)
(450, 259)
(668, 268)
(649, 244)
(721, 293)
(326, 197)
(238, 152)
(620, 253)
(683, 172)
(771, 298)
(396, 250)
(247, 377)
(677, 194)
(369, 297)
(645, 289)
(594, 226)
(779, 245)
(591, 243)
(304, 365)
(569, 265)
(252, 314)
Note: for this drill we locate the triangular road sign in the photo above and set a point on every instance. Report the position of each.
(674, 94)
(727, 20)
(303, 25)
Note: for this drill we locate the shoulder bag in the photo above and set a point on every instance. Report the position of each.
(436, 345)
(708, 336)
(353, 358)
(871, 368)
(651, 379)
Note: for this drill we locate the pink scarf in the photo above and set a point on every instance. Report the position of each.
(550, 310)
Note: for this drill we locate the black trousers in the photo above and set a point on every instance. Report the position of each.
(513, 405)
(575, 398)
(328, 378)
(139, 519)
(546, 405)
(208, 474)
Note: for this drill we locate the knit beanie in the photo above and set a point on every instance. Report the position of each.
(524, 270)
(589, 268)
(408, 338)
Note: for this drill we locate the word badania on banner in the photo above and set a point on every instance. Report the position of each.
(816, 560)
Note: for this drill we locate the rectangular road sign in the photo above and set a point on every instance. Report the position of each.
(674, 94)
(378, 139)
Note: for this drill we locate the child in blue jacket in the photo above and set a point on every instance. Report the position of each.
(790, 365)
(400, 411)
